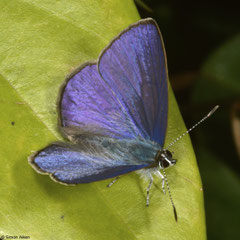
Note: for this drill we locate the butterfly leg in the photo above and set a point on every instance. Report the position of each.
(148, 189)
(113, 181)
(163, 181)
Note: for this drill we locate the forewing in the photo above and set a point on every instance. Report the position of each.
(87, 104)
(95, 160)
(134, 67)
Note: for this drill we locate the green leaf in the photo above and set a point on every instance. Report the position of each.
(219, 79)
(222, 194)
(42, 42)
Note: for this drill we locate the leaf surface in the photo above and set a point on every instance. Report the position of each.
(41, 43)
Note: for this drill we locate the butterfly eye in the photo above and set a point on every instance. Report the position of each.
(165, 163)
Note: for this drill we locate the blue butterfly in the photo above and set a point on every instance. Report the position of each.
(114, 111)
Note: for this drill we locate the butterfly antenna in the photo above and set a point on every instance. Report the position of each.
(170, 196)
(189, 130)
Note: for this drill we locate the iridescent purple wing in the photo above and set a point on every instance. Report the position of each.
(87, 104)
(134, 67)
(130, 100)
(116, 113)
(96, 159)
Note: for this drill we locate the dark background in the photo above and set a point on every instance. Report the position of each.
(202, 41)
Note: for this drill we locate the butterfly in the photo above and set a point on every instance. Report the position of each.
(114, 112)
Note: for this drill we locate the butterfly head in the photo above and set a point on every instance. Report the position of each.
(165, 159)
